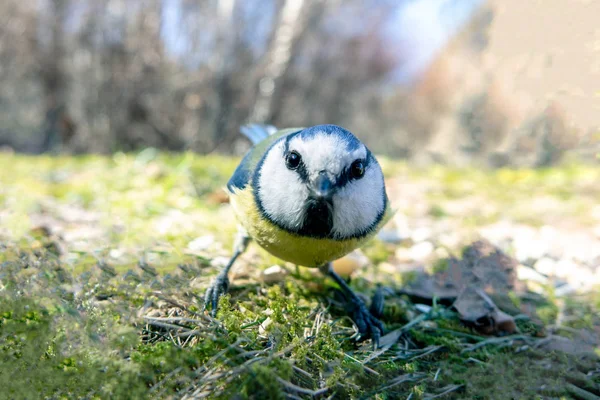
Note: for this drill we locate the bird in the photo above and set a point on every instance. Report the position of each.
(307, 196)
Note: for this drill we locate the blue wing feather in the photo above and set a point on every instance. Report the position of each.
(241, 175)
(256, 133)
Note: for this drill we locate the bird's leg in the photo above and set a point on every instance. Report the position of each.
(368, 325)
(221, 283)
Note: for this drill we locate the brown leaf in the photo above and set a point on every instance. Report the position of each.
(476, 309)
(482, 265)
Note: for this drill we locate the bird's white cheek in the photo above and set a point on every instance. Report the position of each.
(281, 192)
(358, 205)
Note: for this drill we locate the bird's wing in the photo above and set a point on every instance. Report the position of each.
(257, 133)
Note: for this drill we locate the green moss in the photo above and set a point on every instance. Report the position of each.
(82, 326)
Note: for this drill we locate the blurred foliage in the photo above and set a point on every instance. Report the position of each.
(111, 75)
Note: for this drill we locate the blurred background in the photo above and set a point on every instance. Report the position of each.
(497, 82)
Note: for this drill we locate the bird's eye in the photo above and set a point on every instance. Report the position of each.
(293, 160)
(357, 169)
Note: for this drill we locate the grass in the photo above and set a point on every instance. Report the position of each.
(106, 302)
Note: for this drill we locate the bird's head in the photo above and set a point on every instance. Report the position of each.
(321, 182)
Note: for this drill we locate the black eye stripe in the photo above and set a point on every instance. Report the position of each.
(300, 168)
(346, 175)
(302, 172)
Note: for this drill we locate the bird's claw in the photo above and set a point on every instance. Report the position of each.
(368, 325)
(218, 288)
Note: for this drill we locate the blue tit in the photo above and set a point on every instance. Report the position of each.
(308, 196)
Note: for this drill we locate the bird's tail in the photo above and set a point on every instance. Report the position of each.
(257, 132)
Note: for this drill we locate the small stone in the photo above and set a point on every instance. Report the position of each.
(421, 251)
(564, 268)
(525, 273)
(527, 249)
(402, 226)
(403, 254)
(442, 253)
(346, 265)
(389, 236)
(422, 308)
(388, 268)
(116, 253)
(201, 243)
(420, 234)
(449, 240)
(583, 277)
(273, 274)
(546, 266)
(219, 262)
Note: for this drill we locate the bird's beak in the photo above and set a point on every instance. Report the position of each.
(322, 188)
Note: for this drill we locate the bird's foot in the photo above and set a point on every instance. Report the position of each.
(369, 326)
(218, 288)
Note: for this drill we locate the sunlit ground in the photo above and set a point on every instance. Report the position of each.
(74, 230)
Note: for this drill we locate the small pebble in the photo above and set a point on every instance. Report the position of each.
(389, 236)
(564, 268)
(219, 262)
(421, 251)
(201, 243)
(346, 265)
(525, 273)
(273, 274)
(546, 266)
(421, 234)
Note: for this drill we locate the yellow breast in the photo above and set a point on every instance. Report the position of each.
(300, 250)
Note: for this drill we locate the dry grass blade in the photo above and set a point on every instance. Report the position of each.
(580, 393)
(397, 381)
(446, 390)
(496, 341)
(298, 389)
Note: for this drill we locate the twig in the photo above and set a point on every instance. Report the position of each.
(302, 390)
(395, 382)
(457, 333)
(495, 341)
(433, 349)
(189, 334)
(450, 389)
(301, 371)
(363, 365)
(175, 319)
(472, 359)
(581, 393)
(178, 305)
(167, 326)
(160, 383)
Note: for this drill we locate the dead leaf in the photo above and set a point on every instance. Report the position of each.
(482, 266)
(477, 309)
